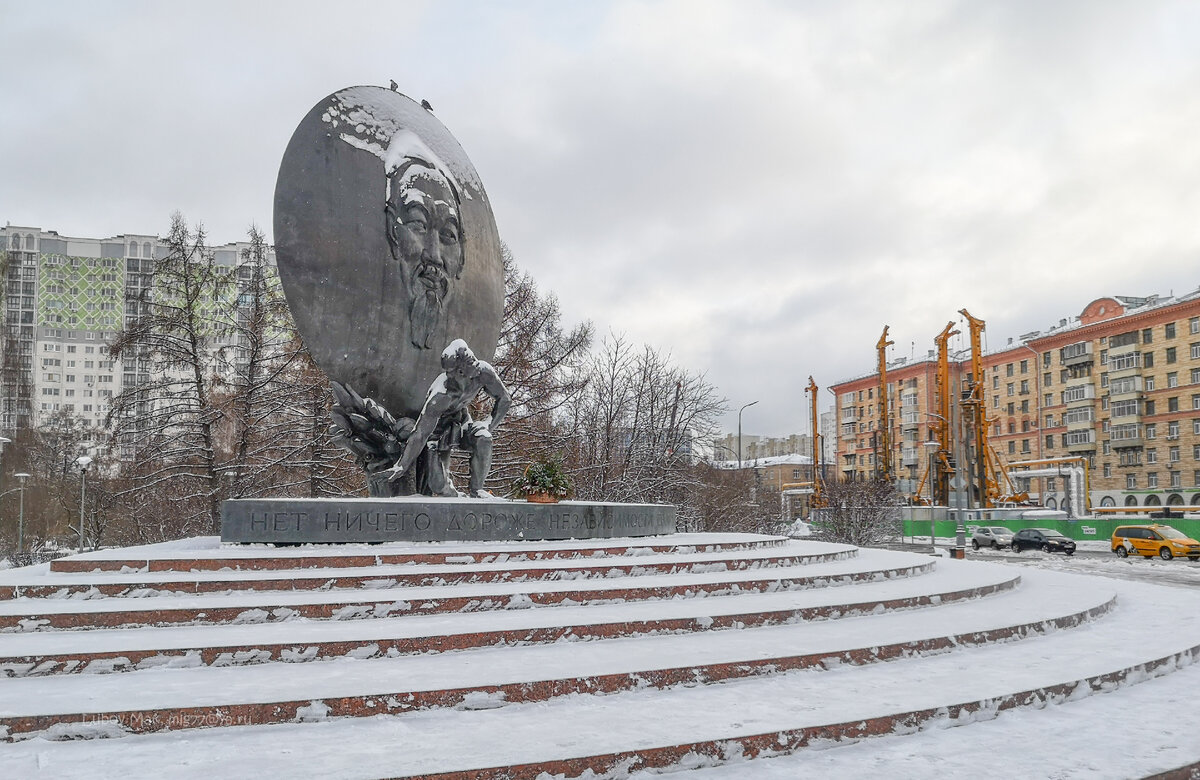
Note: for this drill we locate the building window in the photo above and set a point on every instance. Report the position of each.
(1149, 382)
(1173, 404)
(1149, 408)
(1173, 429)
(1147, 335)
(1049, 441)
(1151, 479)
(1151, 455)
(1131, 481)
(1170, 354)
(1169, 330)
(1152, 431)
(1194, 325)
(1024, 366)
(1173, 455)
(1046, 379)
(1008, 370)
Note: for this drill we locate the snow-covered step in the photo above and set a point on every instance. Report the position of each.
(1153, 631)
(1156, 741)
(207, 553)
(493, 676)
(41, 582)
(26, 614)
(118, 650)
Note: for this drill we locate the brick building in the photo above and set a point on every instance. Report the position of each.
(1118, 386)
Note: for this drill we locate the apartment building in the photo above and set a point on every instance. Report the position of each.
(755, 447)
(1117, 387)
(64, 301)
(911, 397)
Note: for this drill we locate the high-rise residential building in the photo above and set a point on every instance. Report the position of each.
(64, 301)
(1116, 388)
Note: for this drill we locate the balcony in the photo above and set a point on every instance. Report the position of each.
(1080, 425)
(1077, 354)
(1124, 366)
(849, 415)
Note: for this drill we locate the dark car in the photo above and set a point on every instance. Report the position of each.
(1044, 539)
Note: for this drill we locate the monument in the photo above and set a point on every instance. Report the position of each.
(390, 261)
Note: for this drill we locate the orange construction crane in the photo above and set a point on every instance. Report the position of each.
(883, 458)
(991, 472)
(941, 425)
(817, 499)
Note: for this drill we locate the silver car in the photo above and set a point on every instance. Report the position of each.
(994, 536)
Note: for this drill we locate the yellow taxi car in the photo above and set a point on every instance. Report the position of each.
(1155, 539)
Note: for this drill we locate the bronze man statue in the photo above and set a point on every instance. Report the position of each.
(445, 423)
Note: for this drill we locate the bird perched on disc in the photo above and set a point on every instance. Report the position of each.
(425, 105)
(394, 87)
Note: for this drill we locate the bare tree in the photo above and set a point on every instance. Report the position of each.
(859, 512)
(166, 420)
(634, 427)
(541, 364)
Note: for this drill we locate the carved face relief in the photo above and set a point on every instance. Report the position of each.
(425, 236)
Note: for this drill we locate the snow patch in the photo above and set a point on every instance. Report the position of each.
(313, 712)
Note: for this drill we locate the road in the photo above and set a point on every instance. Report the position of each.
(1100, 562)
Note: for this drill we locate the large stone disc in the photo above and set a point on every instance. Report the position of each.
(347, 283)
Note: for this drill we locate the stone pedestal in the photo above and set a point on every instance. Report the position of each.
(424, 519)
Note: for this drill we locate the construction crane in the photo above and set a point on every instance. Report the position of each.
(973, 400)
(817, 500)
(883, 459)
(940, 425)
(995, 485)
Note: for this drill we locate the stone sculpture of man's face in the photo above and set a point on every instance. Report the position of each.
(425, 235)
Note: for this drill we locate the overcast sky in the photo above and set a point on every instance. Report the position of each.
(755, 187)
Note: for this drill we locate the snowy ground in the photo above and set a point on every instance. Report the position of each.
(1154, 713)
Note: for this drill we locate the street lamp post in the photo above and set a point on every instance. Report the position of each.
(21, 516)
(744, 407)
(83, 461)
(961, 473)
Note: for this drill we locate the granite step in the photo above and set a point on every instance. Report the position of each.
(493, 676)
(101, 650)
(41, 582)
(32, 614)
(206, 553)
(1153, 632)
